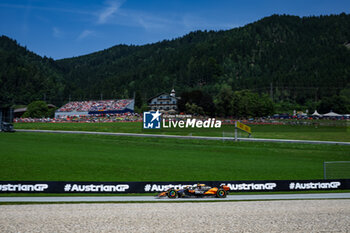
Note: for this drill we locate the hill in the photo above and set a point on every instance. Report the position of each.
(25, 76)
(294, 60)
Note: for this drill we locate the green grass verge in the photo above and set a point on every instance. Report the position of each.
(323, 133)
(64, 157)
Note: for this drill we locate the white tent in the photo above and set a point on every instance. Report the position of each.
(332, 114)
(316, 114)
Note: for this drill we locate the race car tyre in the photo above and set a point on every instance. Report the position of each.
(221, 193)
(172, 193)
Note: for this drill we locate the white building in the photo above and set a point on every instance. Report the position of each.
(164, 102)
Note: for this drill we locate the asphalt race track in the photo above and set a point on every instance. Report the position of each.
(154, 199)
(187, 137)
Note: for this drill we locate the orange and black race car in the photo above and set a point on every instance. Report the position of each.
(198, 190)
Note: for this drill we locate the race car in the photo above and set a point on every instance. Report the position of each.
(197, 190)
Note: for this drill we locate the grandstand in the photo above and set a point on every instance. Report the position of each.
(85, 108)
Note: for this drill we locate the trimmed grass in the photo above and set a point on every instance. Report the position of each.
(323, 133)
(64, 157)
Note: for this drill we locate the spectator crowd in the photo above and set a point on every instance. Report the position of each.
(129, 117)
(99, 105)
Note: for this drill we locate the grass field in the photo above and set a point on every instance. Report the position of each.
(63, 157)
(323, 133)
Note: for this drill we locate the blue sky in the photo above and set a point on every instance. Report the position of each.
(61, 29)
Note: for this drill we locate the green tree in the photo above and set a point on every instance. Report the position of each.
(250, 104)
(346, 92)
(265, 106)
(194, 109)
(338, 104)
(224, 101)
(51, 112)
(37, 109)
(243, 103)
(200, 99)
(138, 99)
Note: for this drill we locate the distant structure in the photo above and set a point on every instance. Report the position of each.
(6, 119)
(92, 107)
(164, 102)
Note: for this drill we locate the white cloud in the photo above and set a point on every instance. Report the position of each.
(54, 9)
(152, 22)
(85, 34)
(57, 33)
(145, 20)
(112, 8)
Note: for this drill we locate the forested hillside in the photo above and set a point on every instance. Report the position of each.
(296, 61)
(25, 76)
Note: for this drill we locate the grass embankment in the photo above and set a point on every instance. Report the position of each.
(63, 157)
(323, 133)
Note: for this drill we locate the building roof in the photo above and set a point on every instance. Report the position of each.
(332, 114)
(25, 108)
(163, 93)
(316, 113)
(20, 110)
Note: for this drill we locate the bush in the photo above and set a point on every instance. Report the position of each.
(242, 103)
